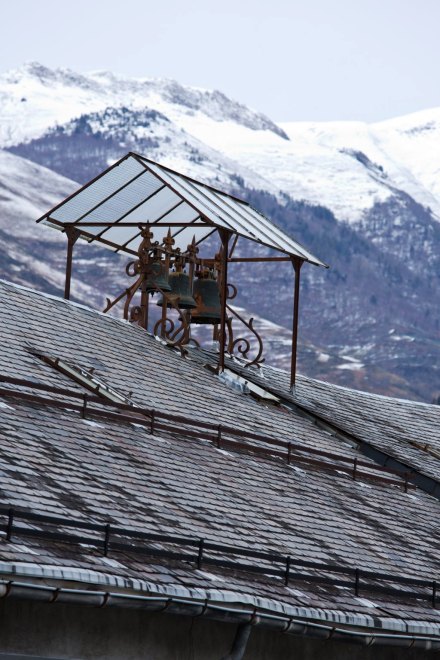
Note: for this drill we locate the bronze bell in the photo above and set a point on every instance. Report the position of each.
(157, 277)
(207, 296)
(180, 288)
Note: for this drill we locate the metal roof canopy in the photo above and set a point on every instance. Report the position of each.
(136, 191)
(135, 198)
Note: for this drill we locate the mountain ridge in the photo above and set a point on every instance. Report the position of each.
(94, 92)
(313, 164)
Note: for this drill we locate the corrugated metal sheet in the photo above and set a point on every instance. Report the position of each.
(137, 190)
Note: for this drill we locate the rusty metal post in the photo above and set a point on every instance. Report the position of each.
(145, 306)
(296, 263)
(168, 242)
(144, 254)
(163, 314)
(72, 236)
(192, 251)
(224, 235)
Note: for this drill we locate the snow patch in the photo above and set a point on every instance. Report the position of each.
(90, 423)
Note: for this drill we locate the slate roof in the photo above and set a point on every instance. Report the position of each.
(406, 431)
(103, 470)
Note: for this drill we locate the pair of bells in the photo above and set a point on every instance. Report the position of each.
(203, 300)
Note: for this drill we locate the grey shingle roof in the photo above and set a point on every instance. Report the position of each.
(55, 462)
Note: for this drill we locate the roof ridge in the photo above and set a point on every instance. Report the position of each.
(72, 303)
(373, 395)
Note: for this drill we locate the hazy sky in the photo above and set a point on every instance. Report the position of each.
(293, 60)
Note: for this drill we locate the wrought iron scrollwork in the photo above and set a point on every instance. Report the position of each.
(148, 270)
(128, 294)
(178, 333)
(242, 345)
(139, 268)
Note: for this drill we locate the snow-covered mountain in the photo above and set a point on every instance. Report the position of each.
(365, 198)
(34, 98)
(27, 256)
(34, 255)
(345, 166)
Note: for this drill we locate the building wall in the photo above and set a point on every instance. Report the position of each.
(79, 632)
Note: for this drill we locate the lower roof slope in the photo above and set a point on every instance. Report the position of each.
(59, 460)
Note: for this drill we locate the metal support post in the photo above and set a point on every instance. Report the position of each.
(72, 236)
(144, 306)
(296, 263)
(224, 235)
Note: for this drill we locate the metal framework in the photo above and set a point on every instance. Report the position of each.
(136, 201)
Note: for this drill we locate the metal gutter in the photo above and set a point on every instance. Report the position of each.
(221, 597)
(246, 618)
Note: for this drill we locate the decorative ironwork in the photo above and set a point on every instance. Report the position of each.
(178, 333)
(241, 345)
(140, 268)
(151, 272)
(135, 184)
